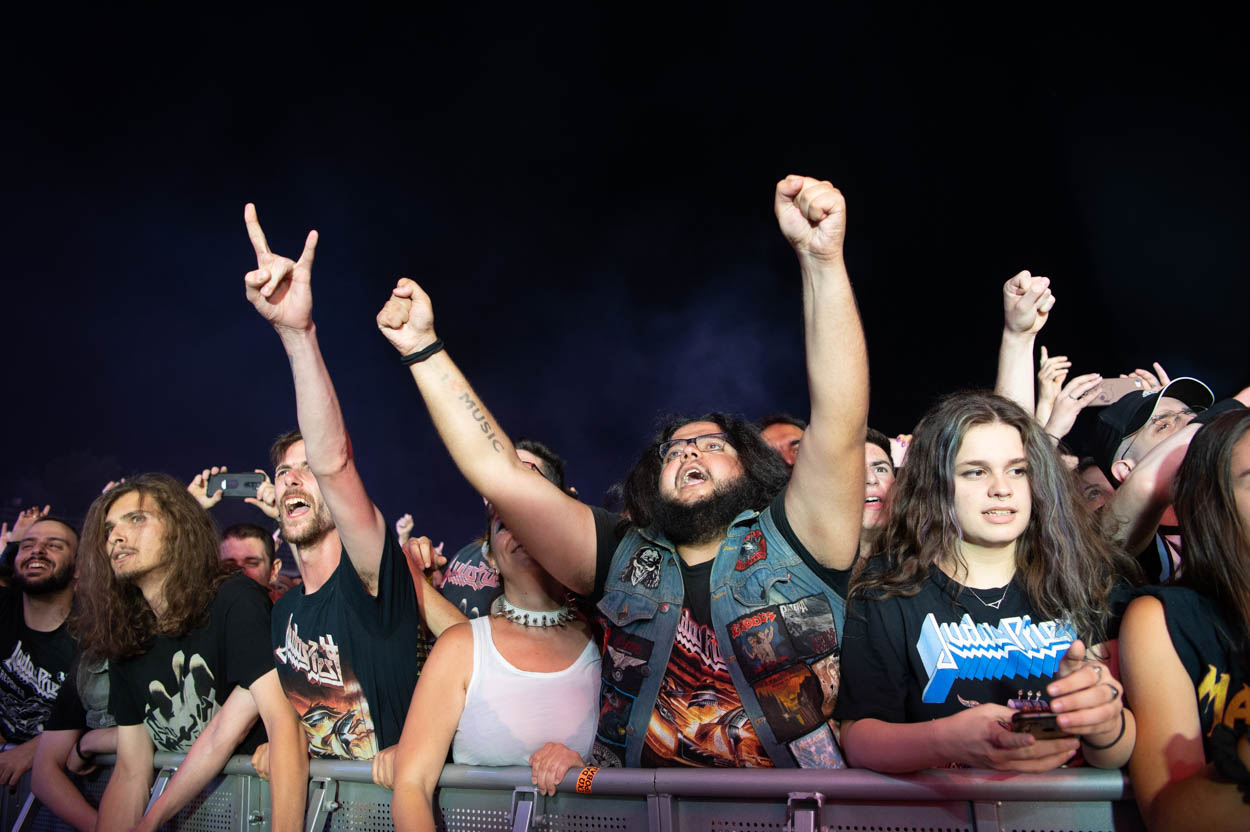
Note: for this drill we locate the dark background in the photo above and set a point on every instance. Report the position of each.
(587, 197)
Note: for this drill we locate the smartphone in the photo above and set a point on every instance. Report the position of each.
(1111, 390)
(234, 485)
(1044, 725)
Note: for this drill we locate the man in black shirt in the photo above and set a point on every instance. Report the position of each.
(189, 670)
(348, 642)
(35, 650)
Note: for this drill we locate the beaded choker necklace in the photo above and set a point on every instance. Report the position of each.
(531, 618)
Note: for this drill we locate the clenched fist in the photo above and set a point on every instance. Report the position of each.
(812, 216)
(407, 319)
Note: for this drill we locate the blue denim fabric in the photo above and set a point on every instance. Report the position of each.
(765, 645)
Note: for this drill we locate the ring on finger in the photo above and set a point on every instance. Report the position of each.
(1115, 693)
(1098, 670)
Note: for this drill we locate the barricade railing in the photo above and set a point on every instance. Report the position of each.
(343, 796)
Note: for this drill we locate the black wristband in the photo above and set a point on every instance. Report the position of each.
(1118, 737)
(421, 355)
(83, 755)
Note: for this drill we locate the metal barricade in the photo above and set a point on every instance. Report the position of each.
(342, 796)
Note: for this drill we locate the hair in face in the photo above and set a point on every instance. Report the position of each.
(1065, 563)
(760, 463)
(1217, 542)
(112, 618)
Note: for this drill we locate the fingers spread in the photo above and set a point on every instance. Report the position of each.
(310, 248)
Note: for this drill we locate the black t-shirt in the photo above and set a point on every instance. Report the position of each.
(178, 685)
(1201, 639)
(33, 665)
(468, 581)
(930, 656)
(83, 703)
(348, 661)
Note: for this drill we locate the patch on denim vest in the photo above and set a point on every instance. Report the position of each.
(791, 701)
(828, 670)
(818, 749)
(810, 624)
(625, 660)
(760, 642)
(615, 708)
(752, 551)
(644, 568)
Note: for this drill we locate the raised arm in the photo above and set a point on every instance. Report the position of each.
(1027, 302)
(557, 530)
(1133, 513)
(280, 289)
(825, 500)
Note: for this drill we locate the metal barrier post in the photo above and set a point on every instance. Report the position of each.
(323, 798)
(803, 811)
(26, 817)
(524, 808)
(162, 780)
(660, 813)
(985, 816)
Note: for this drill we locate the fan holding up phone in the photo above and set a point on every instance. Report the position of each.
(1059, 404)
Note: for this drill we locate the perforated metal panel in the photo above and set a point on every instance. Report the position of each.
(362, 806)
(216, 809)
(763, 816)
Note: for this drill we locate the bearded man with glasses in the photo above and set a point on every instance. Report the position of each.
(723, 593)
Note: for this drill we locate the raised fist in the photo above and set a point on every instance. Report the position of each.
(1027, 302)
(407, 319)
(812, 216)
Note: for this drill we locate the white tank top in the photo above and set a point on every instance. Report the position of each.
(510, 713)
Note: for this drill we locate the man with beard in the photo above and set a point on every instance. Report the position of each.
(36, 651)
(724, 596)
(187, 672)
(348, 643)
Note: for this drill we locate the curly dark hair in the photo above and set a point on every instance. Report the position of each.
(760, 464)
(1217, 541)
(1065, 562)
(113, 618)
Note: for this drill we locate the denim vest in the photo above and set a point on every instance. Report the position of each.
(776, 624)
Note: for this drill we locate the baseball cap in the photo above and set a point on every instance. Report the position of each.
(1130, 413)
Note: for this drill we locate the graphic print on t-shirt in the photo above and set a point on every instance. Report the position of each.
(27, 692)
(327, 696)
(698, 718)
(1015, 647)
(1214, 703)
(175, 718)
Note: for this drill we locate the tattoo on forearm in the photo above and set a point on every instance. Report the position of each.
(476, 411)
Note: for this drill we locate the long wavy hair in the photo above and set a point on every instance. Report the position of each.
(1064, 561)
(1217, 540)
(113, 618)
(760, 463)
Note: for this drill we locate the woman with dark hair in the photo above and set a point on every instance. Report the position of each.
(517, 687)
(993, 578)
(1186, 647)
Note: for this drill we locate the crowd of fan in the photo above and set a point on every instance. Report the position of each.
(974, 595)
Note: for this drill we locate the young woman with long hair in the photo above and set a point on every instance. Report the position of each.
(992, 580)
(1186, 647)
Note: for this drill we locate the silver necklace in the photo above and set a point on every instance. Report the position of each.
(996, 604)
(531, 618)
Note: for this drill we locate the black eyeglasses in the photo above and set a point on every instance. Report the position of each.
(708, 443)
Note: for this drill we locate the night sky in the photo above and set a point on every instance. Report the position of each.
(587, 197)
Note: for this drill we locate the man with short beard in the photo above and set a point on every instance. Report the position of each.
(724, 598)
(348, 643)
(36, 651)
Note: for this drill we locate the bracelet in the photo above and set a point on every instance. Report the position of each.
(84, 755)
(421, 355)
(1118, 737)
